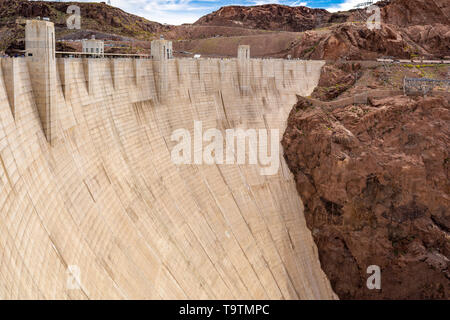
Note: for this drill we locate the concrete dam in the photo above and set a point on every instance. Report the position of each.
(89, 190)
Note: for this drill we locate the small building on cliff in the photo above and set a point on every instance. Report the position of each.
(94, 47)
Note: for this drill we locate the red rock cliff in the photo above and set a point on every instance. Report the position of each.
(375, 183)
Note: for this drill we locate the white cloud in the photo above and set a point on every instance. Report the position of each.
(165, 11)
(291, 3)
(346, 5)
(299, 4)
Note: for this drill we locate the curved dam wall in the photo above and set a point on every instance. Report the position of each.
(102, 212)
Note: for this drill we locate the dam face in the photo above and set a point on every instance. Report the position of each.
(102, 212)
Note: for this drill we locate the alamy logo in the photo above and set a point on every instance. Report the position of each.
(235, 152)
(374, 281)
(73, 278)
(74, 20)
(374, 21)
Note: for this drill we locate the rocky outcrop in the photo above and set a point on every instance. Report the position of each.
(416, 12)
(268, 17)
(335, 79)
(358, 42)
(433, 39)
(375, 183)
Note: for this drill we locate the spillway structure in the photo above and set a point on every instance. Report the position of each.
(92, 205)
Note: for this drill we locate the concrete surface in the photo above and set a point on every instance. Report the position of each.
(104, 204)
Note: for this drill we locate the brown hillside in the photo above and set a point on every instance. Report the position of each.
(268, 17)
(375, 183)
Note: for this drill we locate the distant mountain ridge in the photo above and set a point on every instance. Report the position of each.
(410, 28)
(270, 17)
(298, 19)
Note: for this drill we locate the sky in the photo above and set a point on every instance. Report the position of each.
(188, 11)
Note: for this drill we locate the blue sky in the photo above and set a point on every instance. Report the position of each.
(188, 11)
